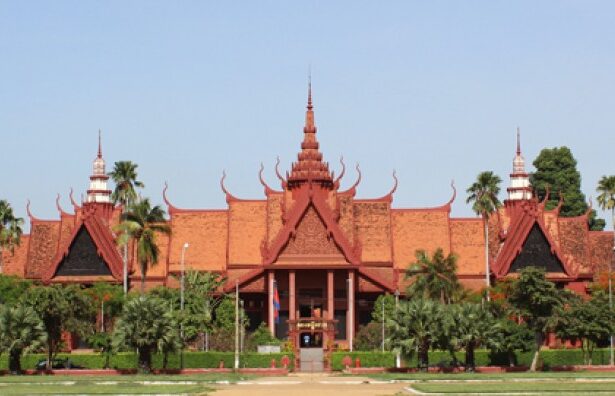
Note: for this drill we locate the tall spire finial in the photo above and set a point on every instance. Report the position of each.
(309, 105)
(99, 144)
(518, 142)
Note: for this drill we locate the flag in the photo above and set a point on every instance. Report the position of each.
(276, 303)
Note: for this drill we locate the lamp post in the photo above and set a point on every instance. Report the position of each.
(612, 357)
(236, 324)
(350, 312)
(397, 355)
(181, 302)
(383, 324)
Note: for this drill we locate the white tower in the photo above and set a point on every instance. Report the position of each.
(520, 188)
(98, 191)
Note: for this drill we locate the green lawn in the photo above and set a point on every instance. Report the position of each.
(579, 388)
(113, 385)
(502, 376)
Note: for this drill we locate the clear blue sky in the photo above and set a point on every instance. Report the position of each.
(433, 89)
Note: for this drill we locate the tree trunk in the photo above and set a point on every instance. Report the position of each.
(487, 281)
(49, 353)
(145, 360)
(143, 274)
(15, 361)
(511, 358)
(423, 357)
(165, 360)
(470, 365)
(538, 338)
(1, 260)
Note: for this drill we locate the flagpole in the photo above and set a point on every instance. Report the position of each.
(236, 324)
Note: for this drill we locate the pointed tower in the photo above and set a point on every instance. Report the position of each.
(310, 167)
(520, 188)
(99, 191)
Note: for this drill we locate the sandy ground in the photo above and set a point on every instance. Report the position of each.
(309, 385)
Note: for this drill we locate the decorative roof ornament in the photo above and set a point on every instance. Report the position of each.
(99, 191)
(520, 188)
(310, 167)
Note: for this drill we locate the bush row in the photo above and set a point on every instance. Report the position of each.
(128, 360)
(550, 358)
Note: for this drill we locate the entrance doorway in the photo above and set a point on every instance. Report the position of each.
(311, 360)
(310, 340)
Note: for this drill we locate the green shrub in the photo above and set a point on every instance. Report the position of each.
(263, 360)
(368, 359)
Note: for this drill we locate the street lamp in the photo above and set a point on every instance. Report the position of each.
(181, 301)
(383, 323)
(612, 358)
(397, 355)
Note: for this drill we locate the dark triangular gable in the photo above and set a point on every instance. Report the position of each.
(537, 252)
(82, 258)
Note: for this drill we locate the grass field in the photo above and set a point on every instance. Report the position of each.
(502, 376)
(505, 387)
(113, 385)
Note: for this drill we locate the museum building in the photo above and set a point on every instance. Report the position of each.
(318, 252)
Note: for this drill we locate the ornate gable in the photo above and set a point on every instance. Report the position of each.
(82, 258)
(536, 252)
(311, 238)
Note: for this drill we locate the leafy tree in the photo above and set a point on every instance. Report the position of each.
(223, 334)
(474, 327)
(511, 337)
(538, 301)
(142, 222)
(108, 299)
(102, 342)
(587, 321)
(389, 307)
(11, 288)
(21, 330)
(556, 169)
(201, 300)
(369, 337)
(10, 230)
(483, 194)
(414, 328)
(434, 277)
(60, 309)
(261, 336)
(146, 326)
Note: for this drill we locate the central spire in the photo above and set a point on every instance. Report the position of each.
(310, 167)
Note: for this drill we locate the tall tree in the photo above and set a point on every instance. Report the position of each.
(434, 277)
(21, 330)
(475, 326)
(124, 175)
(10, 230)
(146, 326)
(538, 301)
(483, 194)
(556, 169)
(414, 328)
(61, 308)
(141, 222)
(201, 299)
(589, 321)
(606, 200)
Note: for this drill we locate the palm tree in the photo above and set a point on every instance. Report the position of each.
(435, 277)
(147, 326)
(21, 330)
(124, 174)
(474, 327)
(10, 230)
(483, 193)
(606, 200)
(141, 222)
(415, 327)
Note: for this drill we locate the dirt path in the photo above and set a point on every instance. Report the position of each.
(310, 385)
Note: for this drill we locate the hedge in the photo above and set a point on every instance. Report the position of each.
(128, 360)
(368, 359)
(549, 357)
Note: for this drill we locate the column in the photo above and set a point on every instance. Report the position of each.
(271, 279)
(330, 295)
(292, 302)
(350, 314)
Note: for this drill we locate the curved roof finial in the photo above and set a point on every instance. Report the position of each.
(166, 199)
(277, 172)
(30, 215)
(263, 182)
(356, 183)
(450, 201)
(547, 195)
(343, 172)
(229, 196)
(72, 200)
(395, 183)
(59, 207)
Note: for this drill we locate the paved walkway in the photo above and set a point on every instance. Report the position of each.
(310, 385)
